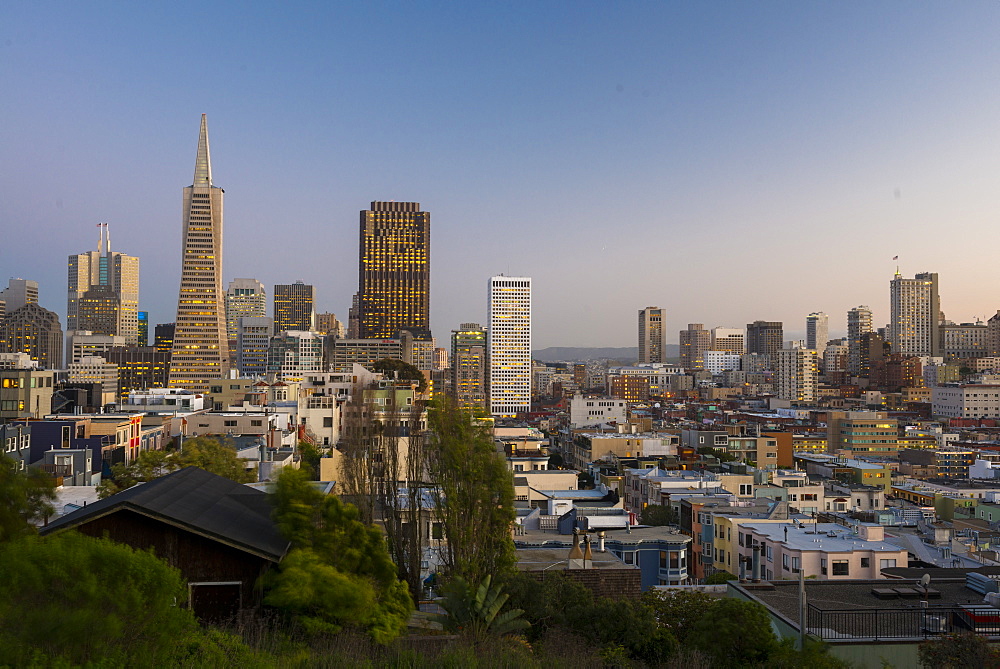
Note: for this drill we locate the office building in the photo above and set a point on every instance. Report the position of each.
(859, 322)
(395, 269)
(798, 375)
(693, 343)
(730, 340)
(328, 324)
(817, 331)
(18, 293)
(244, 298)
(651, 335)
(765, 338)
(964, 341)
(343, 354)
(201, 346)
(25, 393)
(84, 343)
(509, 345)
(139, 367)
(103, 291)
(294, 307)
(163, 337)
(468, 365)
(253, 338)
(294, 353)
(915, 313)
(143, 328)
(35, 331)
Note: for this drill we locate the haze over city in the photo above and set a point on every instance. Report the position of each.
(728, 163)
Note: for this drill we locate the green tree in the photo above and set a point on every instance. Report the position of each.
(25, 497)
(959, 651)
(403, 371)
(212, 456)
(547, 602)
(81, 599)
(476, 611)
(735, 633)
(658, 514)
(204, 452)
(720, 578)
(474, 494)
(310, 457)
(338, 572)
(677, 610)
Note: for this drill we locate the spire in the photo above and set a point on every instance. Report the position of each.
(203, 164)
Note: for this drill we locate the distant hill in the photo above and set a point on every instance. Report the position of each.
(628, 353)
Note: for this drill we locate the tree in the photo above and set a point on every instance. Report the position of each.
(677, 610)
(548, 602)
(204, 452)
(338, 572)
(720, 578)
(84, 600)
(476, 611)
(310, 457)
(958, 651)
(25, 497)
(735, 633)
(658, 514)
(384, 470)
(212, 456)
(474, 494)
(402, 371)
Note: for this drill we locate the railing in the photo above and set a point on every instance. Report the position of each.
(57, 470)
(908, 623)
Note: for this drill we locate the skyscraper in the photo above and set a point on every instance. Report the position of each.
(143, 328)
(651, 344)
(468, 365)
(859, 322)
(798, 374)
(765, 338)
(915, 313)
(245, 298)
(730, 340)
(108, 282)
(395, 269)
(294, 307)
(253, 339)
(18, 293)
(694, 342)
(509, 345)
(201, 347)
(35, 331)
(817, 332)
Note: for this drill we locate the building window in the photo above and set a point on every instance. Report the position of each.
(229, 423)
(256, 423)
(866, 563)
(841, 568)
(886, 564)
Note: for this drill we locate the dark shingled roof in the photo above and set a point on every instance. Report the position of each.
(200, 502)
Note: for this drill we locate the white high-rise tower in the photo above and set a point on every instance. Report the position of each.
(509, 345)
(201, 348)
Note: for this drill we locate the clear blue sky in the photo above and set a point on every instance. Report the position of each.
(728, 161)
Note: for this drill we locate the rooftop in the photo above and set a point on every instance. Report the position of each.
(827, 537)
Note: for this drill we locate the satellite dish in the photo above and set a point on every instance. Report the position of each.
(925, 580)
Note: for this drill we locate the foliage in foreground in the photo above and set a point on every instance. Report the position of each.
(338, 572)
(958, 651)
(84, 599)
(474, 494)
(204, 452)
(476, 611)
(25, 498)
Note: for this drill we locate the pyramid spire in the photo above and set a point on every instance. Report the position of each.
(203, 163)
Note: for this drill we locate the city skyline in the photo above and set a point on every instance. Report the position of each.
(634, 130)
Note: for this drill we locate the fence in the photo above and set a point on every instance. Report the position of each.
(908, 623)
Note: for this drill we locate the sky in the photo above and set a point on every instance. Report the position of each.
(726, 161)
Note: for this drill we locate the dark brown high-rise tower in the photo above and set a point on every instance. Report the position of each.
(395, 270)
